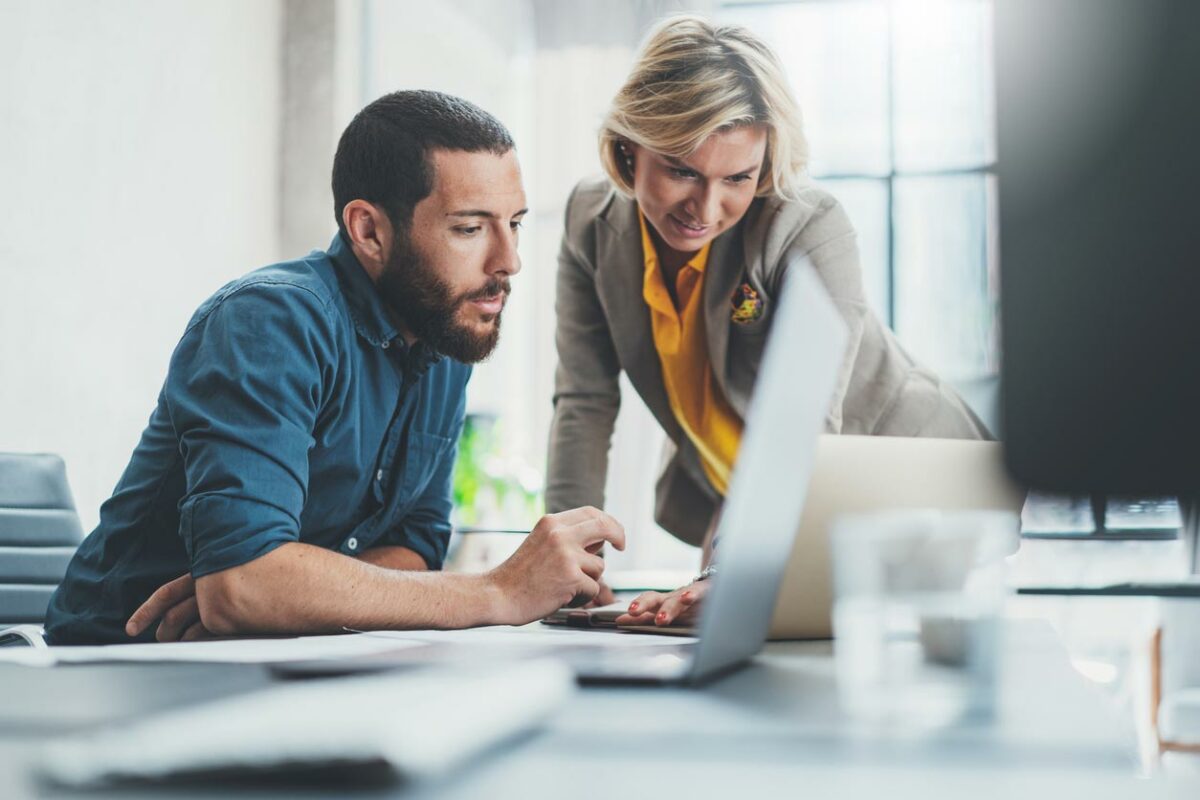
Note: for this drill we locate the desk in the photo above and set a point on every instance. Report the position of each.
(772, 729)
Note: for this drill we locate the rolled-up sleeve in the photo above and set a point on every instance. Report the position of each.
(244, 391)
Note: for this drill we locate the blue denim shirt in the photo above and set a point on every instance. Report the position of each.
(292, 411)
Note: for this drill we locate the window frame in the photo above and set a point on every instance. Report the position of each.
(986, 168)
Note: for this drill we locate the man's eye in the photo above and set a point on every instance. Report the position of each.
(469, 230)
(517, 224)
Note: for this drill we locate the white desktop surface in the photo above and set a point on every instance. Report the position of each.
(771, 729)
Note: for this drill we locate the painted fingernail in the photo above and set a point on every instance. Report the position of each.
(662, 616)
(633, 607)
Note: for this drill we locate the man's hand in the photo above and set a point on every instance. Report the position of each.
(554, 564)
(175, 604)
(603, 598)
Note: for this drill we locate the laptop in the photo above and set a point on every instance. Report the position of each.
(854, 475)
(860, 474)
(763, 507)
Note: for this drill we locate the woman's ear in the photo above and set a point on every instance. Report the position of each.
(625, 150)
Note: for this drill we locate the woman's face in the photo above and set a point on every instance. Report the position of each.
(690, 201)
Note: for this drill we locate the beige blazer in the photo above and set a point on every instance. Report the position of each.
(604, 328)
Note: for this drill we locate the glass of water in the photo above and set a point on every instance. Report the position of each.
(919, 601)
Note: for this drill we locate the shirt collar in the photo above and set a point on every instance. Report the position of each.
(654, 285)
(370, 314)
(698, 261)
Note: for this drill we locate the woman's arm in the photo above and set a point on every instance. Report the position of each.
(587, 393)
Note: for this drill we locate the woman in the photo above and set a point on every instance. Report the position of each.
(669, 270)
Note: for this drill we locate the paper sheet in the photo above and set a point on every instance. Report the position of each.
(306, 648)
(535, 635)
(229, 651)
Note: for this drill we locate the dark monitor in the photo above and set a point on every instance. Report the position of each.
(1098, 160)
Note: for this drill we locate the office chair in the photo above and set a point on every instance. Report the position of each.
(39, 531)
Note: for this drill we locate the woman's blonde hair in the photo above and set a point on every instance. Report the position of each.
(694, 79)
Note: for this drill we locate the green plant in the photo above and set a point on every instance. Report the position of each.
(490, 488)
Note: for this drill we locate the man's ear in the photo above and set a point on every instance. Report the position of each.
(370, 233)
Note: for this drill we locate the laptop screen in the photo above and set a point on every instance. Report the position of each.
(761, 513)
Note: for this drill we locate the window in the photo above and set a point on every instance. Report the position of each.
(897, 101)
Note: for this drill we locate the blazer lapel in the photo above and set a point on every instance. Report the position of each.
(620, 271)
(726, 265)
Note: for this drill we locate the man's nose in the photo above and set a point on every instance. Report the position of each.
(504, 258)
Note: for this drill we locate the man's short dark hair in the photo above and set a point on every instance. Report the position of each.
(383, 155)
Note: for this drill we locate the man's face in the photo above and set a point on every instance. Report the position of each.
(447, 276)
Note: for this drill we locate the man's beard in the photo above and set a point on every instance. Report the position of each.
(428, 307)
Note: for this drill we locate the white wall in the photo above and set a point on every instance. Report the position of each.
(482, 51)
(138, 150)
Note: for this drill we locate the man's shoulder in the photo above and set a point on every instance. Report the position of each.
(313, 275)
(305, 287)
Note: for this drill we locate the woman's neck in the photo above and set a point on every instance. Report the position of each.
(670, 260)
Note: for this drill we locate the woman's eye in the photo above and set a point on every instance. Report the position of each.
(682, 173)
(739, 178)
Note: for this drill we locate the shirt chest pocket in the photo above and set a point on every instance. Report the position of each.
(425, 453)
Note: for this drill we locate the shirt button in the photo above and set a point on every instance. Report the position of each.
(352, 543)
(379, 476)
(386, 344)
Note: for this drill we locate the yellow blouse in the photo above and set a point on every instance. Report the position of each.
(696, 399)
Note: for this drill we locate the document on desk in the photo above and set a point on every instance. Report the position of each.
(534, 636)
(227, 651)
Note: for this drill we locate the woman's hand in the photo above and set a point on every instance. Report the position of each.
(680, 607)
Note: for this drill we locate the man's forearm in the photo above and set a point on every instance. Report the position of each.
(394, 557)
(299, 588)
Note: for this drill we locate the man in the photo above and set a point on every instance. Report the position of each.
(295, 474)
